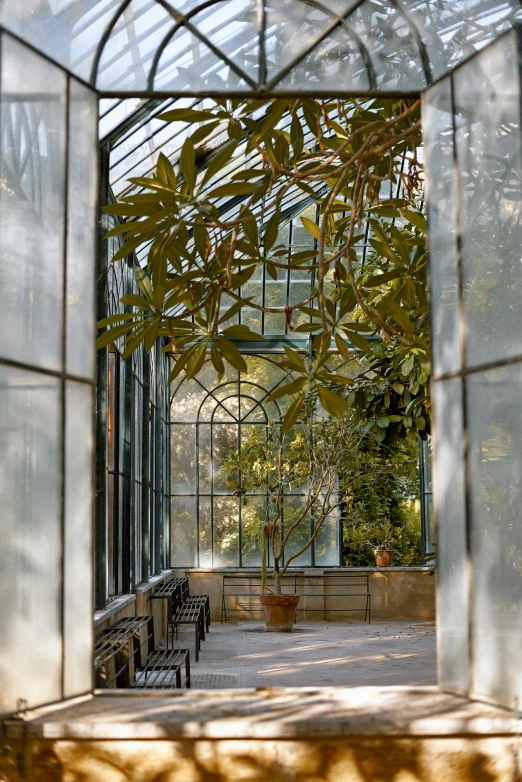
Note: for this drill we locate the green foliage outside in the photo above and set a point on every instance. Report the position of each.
(383, 508)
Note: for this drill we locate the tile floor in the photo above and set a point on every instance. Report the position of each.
(319, 654)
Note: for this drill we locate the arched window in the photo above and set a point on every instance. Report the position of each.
(211, 421)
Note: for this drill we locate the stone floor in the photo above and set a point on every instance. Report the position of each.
(320, 654)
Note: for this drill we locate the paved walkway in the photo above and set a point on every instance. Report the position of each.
(320, 654)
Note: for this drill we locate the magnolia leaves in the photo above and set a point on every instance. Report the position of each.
(205, 225)
(315, 381)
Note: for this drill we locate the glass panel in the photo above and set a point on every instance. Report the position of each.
(290, 28)
(226, 532)
(78, 630)
(183, 458)
(387, 37)
(224, 447)
(336, 59)
(253, 517)
(81, 230)
(188, 64)
(68, 31)
(128, 54)
(31, 207)
(30, 531)
(326, 544)
(205, 532)
(232, 26)
(490, 170)
(186, 401)
(452, 613)
(184, 537)
(442, 215)
(293, 506)
(453, 31)
(495, 473)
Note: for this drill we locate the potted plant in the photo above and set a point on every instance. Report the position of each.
(383, 547)
(303, 460)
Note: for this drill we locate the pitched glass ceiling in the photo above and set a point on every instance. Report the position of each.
(335, 47)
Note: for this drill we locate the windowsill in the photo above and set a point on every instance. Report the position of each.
(112, 608)
(124, 600)
(145, 586)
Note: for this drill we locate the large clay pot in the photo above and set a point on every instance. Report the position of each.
(383, 557)
(279, 612)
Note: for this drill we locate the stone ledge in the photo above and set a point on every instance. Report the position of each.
(146, 586)
(270, 713)
(299, 571)
(112, 608)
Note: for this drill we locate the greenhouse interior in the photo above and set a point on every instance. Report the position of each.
(261, 360)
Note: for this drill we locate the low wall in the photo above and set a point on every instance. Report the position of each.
(396, 593)
(357, 734)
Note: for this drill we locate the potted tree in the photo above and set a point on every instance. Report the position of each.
(383, 544)
(306, 459)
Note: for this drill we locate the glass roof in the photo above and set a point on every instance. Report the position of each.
(190, 47)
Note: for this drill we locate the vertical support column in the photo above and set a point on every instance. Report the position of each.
(146, 462)
(101, 405)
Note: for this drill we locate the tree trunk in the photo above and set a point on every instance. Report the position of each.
(277, 582)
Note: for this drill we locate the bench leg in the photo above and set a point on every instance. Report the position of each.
(196, 634)
(187, 671)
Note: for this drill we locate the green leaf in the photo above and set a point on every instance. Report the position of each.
(241, 332)
(288, 389)
(398, 313)
(166, 174)
(342, 347)
(186, 115)
(332, 402)
(217, 361)
(233, 310)
(232, 354)
(218, 163)
(358, 340)
(295, 360)
(278, 108)
(115, 319)
(380, 279)
(111, 335)
(233, 189)
(296, 135)
(292, 414)
(187, 163)
(407, 366)
(312, 228)
(133, 300)
(250, 227)
(180, 363)
(196, 360)
(415, 219)
(271, 230)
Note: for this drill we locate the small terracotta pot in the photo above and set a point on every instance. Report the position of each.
(279, 612)
(383, 557)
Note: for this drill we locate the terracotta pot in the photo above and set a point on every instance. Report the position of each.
(279, 612)
(383, 557)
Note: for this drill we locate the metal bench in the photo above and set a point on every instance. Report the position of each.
(352, 586)
(182, 609)
(126, 656)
